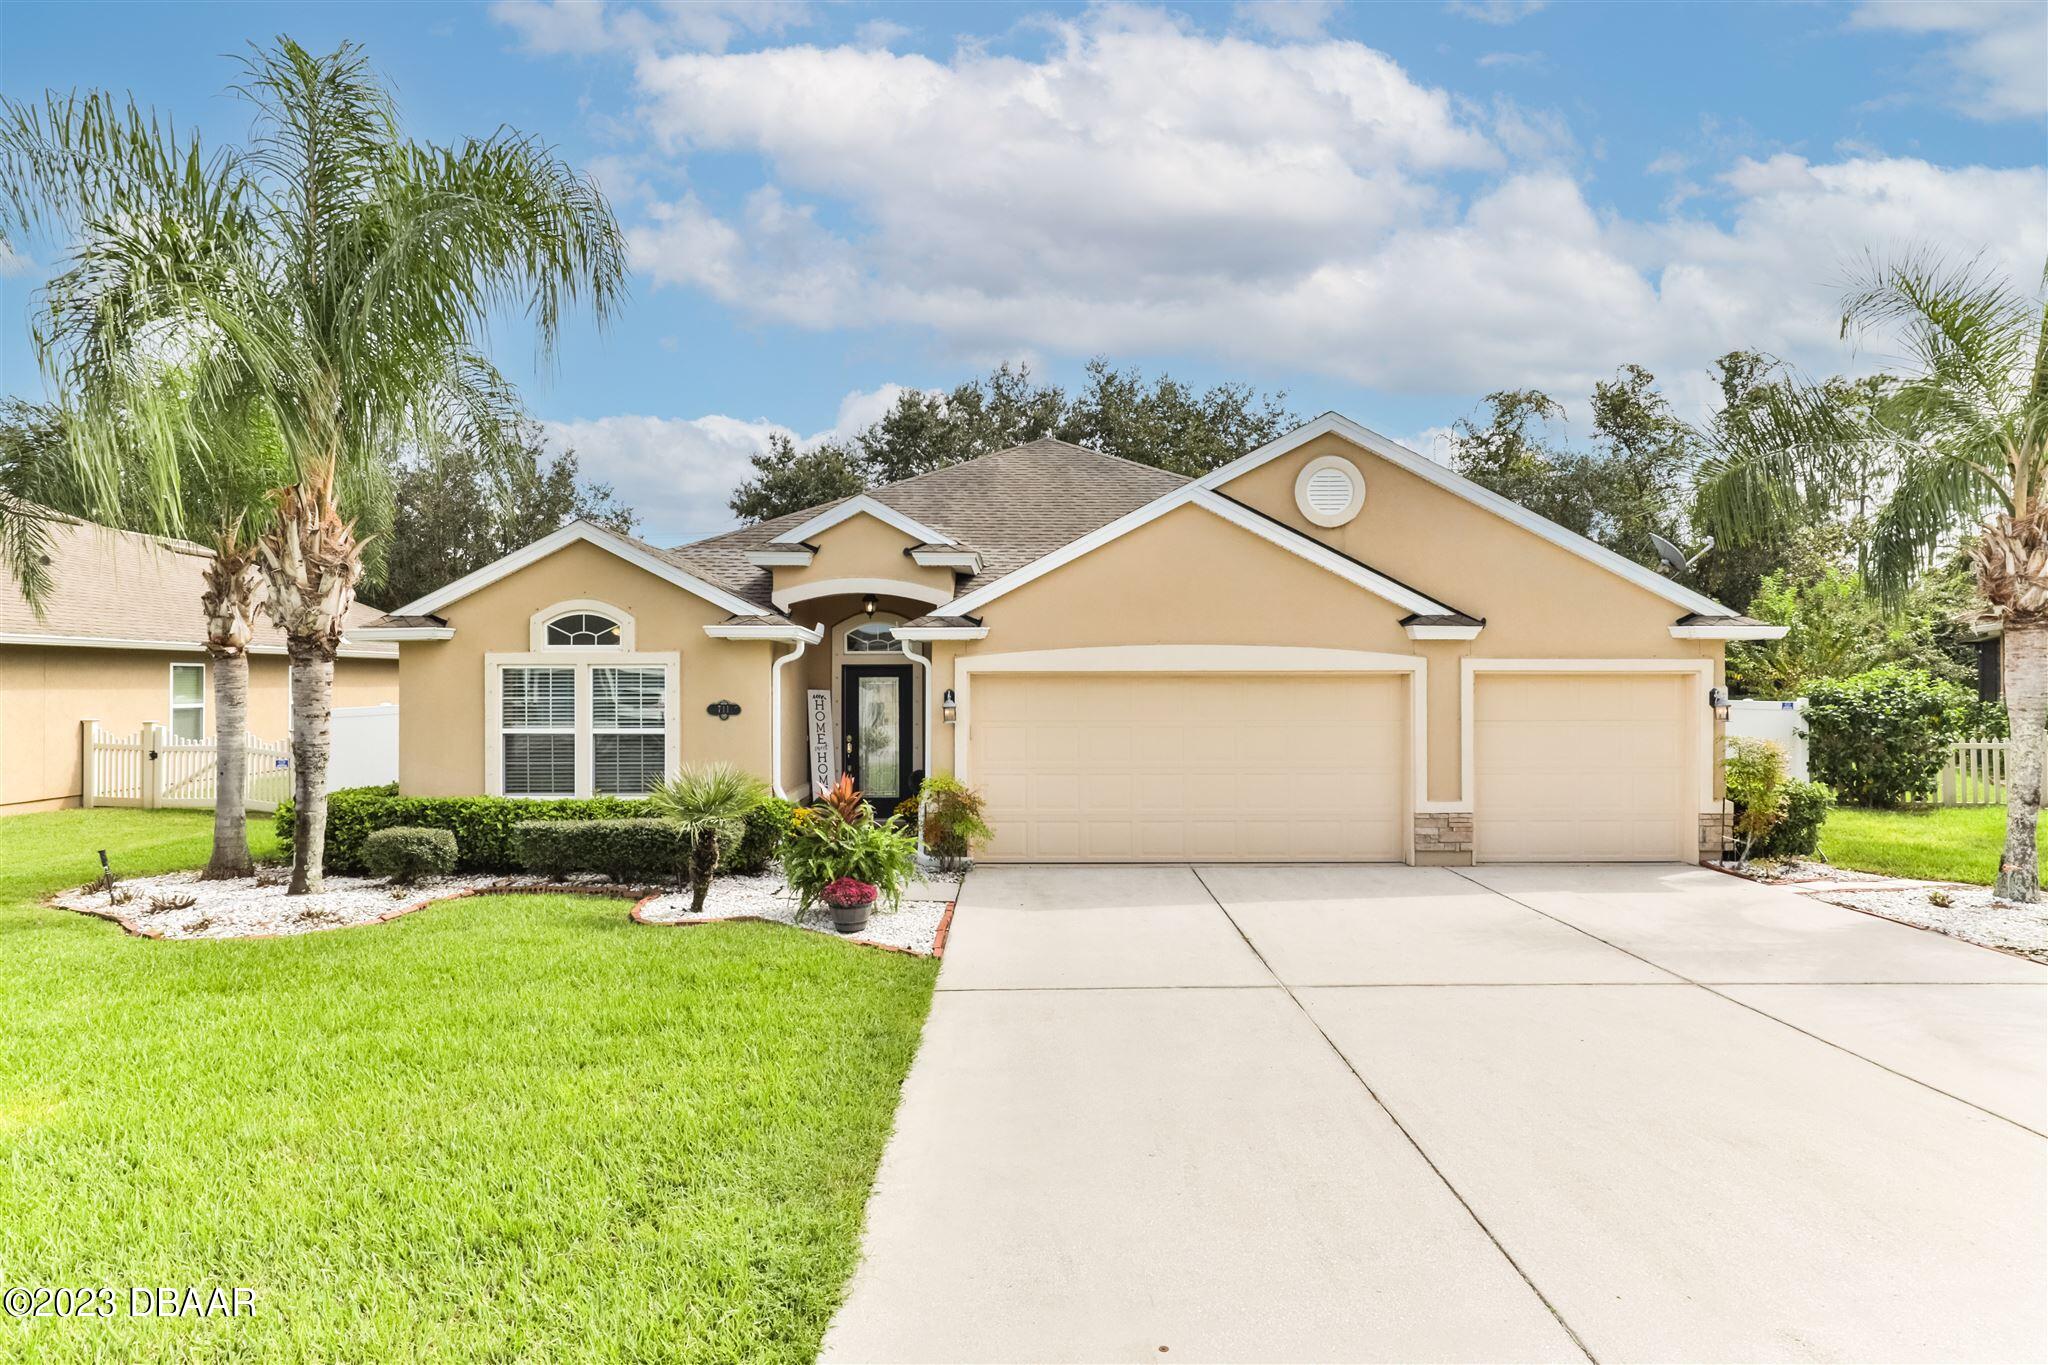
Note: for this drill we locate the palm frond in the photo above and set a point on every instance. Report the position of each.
(25, 549)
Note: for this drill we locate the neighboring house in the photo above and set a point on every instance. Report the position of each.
(121, 641)
(1332, 648)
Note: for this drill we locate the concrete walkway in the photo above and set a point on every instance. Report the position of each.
(1503, 1113)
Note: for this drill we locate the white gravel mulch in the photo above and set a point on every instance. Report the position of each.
(913, 926)
(242, 907)
(1973, 914)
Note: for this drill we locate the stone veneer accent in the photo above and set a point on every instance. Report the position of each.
(1443, 831)
(1717, 833)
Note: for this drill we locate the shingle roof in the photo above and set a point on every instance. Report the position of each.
(122, 585)
(1013, 506)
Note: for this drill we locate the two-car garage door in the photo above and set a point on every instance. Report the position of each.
(1099, 767)
(1103, 767)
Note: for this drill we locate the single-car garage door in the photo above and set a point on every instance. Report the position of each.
(1583, 767)
(1104, 767)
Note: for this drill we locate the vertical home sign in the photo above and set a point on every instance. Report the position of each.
(818, 706)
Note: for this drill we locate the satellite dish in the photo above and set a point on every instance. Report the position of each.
(1673, 557)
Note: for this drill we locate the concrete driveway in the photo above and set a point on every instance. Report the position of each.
(1615, 1113)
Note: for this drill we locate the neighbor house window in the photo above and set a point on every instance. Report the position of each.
(188, 701)
(628, 726)
(583, 629)
(538, 719)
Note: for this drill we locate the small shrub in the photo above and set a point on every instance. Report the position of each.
(767, 823)
(1797, 835)
(1880, 738)
(1754, 774)
(405, 853)
(952, 813)
(823, 846)
(631, 851)
(1940, 900)
(708, 803)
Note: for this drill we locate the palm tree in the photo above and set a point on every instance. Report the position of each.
(1963, 432)
(709, 802)
(333, 277)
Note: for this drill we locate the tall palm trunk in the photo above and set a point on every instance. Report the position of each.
(314, 562)
(234, 582)
(2025, 650)
(2012, 572)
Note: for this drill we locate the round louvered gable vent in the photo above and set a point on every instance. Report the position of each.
(1330, 491)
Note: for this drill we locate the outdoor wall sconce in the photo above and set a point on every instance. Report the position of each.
(949, 710)
(867, 604)
(1717, 698)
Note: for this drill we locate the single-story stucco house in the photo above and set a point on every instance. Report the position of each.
(1332, 648)
(122, 641)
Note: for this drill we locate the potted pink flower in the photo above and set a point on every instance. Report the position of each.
(851, 900)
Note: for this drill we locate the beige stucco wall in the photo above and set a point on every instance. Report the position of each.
(864, 547)
(1193, 578)
(442, 726)
(46, 692)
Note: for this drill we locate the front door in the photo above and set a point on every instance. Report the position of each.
(875, 720)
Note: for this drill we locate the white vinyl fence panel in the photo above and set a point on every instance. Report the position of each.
(153, 769)
(1783, 723)
(363, 751)
(1975, 775)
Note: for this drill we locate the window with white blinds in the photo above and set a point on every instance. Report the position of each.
(583, 729)
(539, 723)
(627, 724)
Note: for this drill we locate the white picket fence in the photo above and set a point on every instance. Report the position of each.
(1975, 775)
(154, 769)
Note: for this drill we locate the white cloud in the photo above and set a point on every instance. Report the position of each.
(582, 27)
(1144, 188)
(678, 472)
(1289, 19)
(13, 262)
(1496, 12)
(1491, 60)
(1996, 56)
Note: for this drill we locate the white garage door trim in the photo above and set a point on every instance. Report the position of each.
(1204, 659)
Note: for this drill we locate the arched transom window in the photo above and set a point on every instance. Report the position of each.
(873, 637)
(586, 629)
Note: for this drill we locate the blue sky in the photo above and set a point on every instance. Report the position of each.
(1385, 209)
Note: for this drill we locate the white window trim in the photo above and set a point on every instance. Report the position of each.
(538, 623)
(176, 706)
(1207, 659)
(1352, 506)
(582, 660)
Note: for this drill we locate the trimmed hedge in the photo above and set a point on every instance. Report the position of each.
(406, 853)
(482, 825)
(632, 851)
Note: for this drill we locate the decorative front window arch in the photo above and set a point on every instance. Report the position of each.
(582, 624)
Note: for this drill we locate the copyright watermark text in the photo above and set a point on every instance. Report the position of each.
(132, 1301)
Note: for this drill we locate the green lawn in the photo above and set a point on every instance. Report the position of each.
(505, 1128)
(1946, 843)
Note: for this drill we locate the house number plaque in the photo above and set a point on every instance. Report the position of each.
(724, 710)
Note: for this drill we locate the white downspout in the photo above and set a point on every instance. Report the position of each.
(910, 652)
(775, 716)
